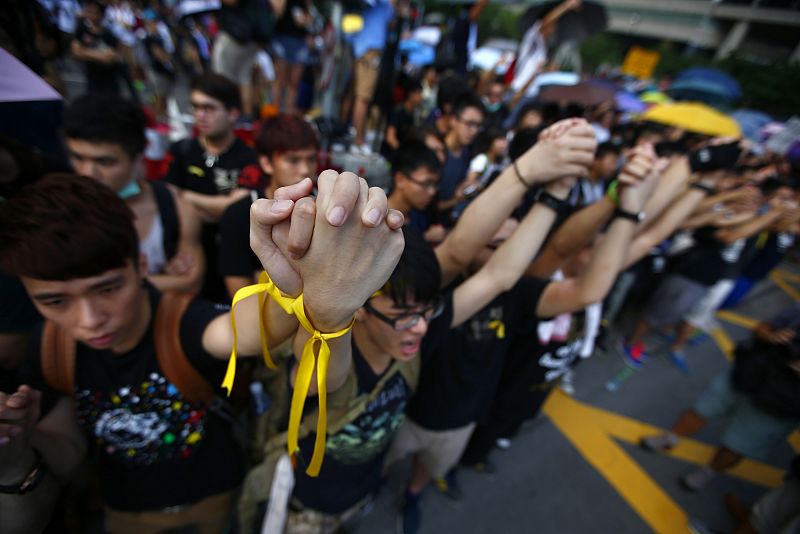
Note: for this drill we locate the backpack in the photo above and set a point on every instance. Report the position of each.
(345, 405)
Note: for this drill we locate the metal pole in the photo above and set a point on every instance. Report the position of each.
(329, 104)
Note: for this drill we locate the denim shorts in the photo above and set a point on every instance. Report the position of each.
(293, 50)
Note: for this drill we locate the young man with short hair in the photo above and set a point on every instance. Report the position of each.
(465, 124)
(287, 147)
(105, 140)
(403, 326)
(415, 171)
(166, 456)
(402, 120)
(207, 168)
(98, 49)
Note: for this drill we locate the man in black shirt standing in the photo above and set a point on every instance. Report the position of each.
(207, 168)
(98, 49)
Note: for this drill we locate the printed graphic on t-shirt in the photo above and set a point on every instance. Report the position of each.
(370, 434)
(488, 325)
(142, 424)
(559, 361)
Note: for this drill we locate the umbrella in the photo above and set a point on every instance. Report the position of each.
(654, 97)
(552, 78)
(694, 117)
(628, 102)
(705, 85)
(419, 53)
(751, 122)
(574, 25)
(585, 94)
(20, 84)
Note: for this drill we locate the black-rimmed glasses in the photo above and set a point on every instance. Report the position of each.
(408, 321)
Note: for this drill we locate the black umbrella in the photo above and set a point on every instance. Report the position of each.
(574, 25)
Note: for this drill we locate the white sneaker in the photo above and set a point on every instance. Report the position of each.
(360, 150)
(503, 443)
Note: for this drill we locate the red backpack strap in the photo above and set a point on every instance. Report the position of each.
(171, 358)
(58, 358)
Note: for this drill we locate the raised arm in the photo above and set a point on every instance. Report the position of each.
(509, 262)
(608, 257)
(566, 149)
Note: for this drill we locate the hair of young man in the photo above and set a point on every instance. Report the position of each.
(417, 277)
(413, 86)
(96, 3)
(219, 88)
(604, 149)
(65, 227)
(414, 155)
(467, 101)
(285, 133)
(523, 140)
(667, 149)
(102, 118)
(451, 89)
(487, 138)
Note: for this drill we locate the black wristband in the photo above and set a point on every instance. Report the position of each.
(629, 215)
(704, 188)
(31, 480)
(519, 175)
(555, 204)
(714, 158)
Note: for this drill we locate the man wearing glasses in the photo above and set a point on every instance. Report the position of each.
(465, 125)
(415, 172)
(405, 327)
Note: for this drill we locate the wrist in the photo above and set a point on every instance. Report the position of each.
(17, 469)
(328, 321)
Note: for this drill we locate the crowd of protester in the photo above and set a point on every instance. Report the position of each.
(514, 237)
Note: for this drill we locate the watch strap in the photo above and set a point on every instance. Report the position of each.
(629, 215)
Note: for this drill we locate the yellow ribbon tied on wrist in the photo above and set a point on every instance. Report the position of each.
(310, 359)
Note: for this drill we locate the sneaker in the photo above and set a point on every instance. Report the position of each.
(659, 442)
(448, 485)
(360, 150)
(678, 358)
(633, 355)
(409, 518)
(698, 479)
(485, 467)
(503, 443)
(567, 385)
(697, 526)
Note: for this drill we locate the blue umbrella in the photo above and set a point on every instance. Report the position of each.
(419, 53)
(629, 102)
(751, 122)
(706, 85)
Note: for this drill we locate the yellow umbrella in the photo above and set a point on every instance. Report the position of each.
(694, 117)
(654, 97)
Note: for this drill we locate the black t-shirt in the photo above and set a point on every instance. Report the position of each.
(709, 260)
(151, 42)
(286, 25)
(152, 447)
(769, 256)
(191, 169)
(456, 386)
(236, 258)
(17, 312)
(354, 456)
(102, 40)
(403, 121)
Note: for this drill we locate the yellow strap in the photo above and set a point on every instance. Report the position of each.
(499, 328)
(305, 371)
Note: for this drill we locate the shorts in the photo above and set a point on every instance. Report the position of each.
(308, 521)
(438, 450)
(211, 515)
(293, 50)
(702, 315)
(162, 84)
(779, 509)
(367, 69)
(750, 431)
(673, 300)
(232, 59)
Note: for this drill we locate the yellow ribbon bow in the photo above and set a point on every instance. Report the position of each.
(499, 328)
(305, 371)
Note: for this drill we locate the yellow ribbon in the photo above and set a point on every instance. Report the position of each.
(499, 328)
(305, 371)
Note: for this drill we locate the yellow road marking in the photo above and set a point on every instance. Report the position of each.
(724, 342)
(738, 319)
(590, 430)
(786, 275)
(794, 441)
(780, 280)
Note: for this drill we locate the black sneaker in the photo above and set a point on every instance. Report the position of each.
(409, 518)
(448, 485)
